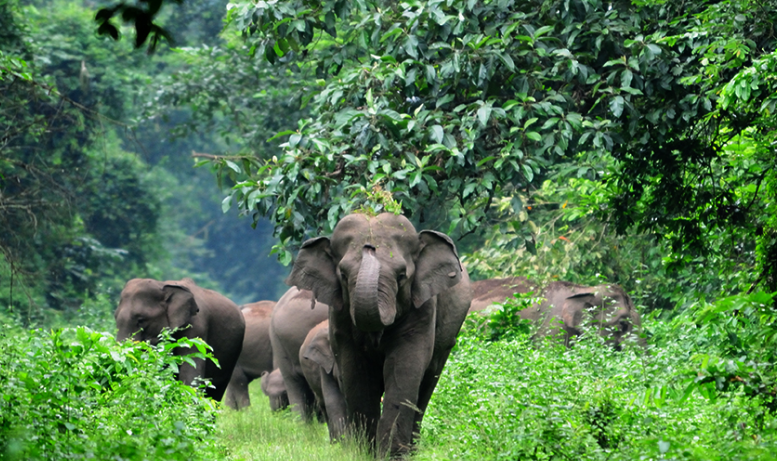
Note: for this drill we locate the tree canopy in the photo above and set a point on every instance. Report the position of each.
(451, 105)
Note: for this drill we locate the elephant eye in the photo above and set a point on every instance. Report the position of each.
(624, 326)
(343, 276)
(402, 276)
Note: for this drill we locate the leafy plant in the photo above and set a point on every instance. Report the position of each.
(77, 393)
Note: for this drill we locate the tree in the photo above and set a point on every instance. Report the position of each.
(450, 105)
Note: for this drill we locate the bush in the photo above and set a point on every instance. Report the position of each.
(73, 393)
(518, 399)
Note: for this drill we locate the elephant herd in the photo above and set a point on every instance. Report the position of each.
(362, 336)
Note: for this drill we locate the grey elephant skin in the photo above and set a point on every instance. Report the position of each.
(496, 291)
(318, 366)
(292, 318)
(256, 356)
(147, 306)
(567, 307)
(274, 388)
(397, 300)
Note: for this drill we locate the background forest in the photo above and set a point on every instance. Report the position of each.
(628, 142)
(96, 189)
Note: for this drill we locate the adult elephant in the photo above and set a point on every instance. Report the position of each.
(321, 373)
(293, 317)
(397, 300)
(147, 306)
(256, 356)
(567, 308)
(606, 308)
(274, 388)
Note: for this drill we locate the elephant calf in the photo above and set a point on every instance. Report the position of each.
(274, 388)
(567, 307)
(256, 357)
(147, 306)
(320, 370)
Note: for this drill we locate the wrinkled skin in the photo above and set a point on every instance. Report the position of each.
(291, 321)
(397, 300)
(567, 308)
(147, 306)
(256, 357)
(274, 388)
(320, 370)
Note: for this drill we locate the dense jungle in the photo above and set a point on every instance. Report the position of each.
(622, 143)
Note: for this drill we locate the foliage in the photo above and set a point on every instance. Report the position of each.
(501, 321)
(514, 399)
(453, 105)
(87, 200)
(77, 393)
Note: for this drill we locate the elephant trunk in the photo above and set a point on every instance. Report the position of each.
(368, 311)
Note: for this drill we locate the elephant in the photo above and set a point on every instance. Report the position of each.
(293, 317)
(496, 291)
(567, 307)
(256, 356)
(397, 299)
(147, 306)
(321, 373)
(274, 388)
(607, 307)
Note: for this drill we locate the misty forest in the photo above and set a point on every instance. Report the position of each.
(565, 211)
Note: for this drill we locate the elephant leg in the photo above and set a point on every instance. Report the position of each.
(403, 372)
(335, 406)
(237, 391)
(431, 377)
(301, 398)
(362, 387)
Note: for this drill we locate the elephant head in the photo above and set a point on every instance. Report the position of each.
(608, 309)
(376, 267)
(274, 388)
(148, 306)
(319, 351)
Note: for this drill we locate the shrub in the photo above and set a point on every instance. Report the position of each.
(74, 393)
(702, 392)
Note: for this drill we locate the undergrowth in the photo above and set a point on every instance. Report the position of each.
(74, 393)
(691, 396)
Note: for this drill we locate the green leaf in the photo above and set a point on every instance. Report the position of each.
(616, 105)
(484, 113)
(411, 46)
(534, 136)
(437, 134)
(445, 100)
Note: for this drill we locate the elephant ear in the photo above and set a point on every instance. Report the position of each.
(573, 309)
(320, 352)
(272, 383)
(314, 270)
(437, 267)
(180, 304)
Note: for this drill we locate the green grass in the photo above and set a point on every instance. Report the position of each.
(255, 434)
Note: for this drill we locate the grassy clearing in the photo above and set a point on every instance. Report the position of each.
(256, 434)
